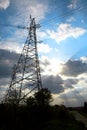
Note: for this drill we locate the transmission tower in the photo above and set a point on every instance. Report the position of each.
(26, 75)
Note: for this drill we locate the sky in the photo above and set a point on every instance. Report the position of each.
(62, 52)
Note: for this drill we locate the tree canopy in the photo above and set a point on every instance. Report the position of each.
(41, 98)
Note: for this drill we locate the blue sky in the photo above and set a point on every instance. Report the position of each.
(63, 52)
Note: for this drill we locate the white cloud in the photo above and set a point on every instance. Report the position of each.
(73, 4)
(4, 4)
(25, 8)
(11, 46)
(65, 31)
(45, 60)
(38, 9)
(84, 59)
(43, 48)
(20, 34)
(71, 19)
(41, 34)
(50, 67)
(17, 44)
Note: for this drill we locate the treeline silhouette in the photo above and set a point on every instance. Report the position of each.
(37, 114)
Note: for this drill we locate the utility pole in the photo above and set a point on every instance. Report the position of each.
(26, 77)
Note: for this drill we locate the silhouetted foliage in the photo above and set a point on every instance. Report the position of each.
(12, 97)
(85, 105)
(31, 101)
(37, 114)
(43, 97)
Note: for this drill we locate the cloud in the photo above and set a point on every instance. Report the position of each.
(43, 48)
(68, 83)
(11, 45)
(4, 4)
(65, 31)
(4, 84)
(45, 61)
(73, 4)
(20, 35)
(53, 83)
(38, 8)
(71, 19)
(7, 60)
(41, 34)
(50, 67)
(23, 10)
(84, 59)
(71, 98)
(74, 68)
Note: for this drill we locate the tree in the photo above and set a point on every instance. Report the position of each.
(85, 105)
(12, 97)
(31, 101)
(43, 97)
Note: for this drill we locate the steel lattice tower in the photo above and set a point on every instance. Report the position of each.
(26, 74)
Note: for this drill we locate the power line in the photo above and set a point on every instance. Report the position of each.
(9, 25)
(62, 16)
(51, 20)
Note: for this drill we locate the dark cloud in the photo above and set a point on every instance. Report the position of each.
(53, 83)
(7, 60)
(68, 83)
(4, 81)
(74, 68)
(4, 84)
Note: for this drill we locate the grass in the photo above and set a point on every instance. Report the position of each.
(62, 125)
(83, 113)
